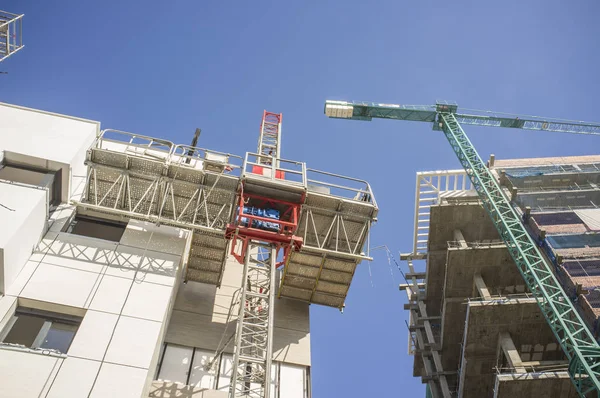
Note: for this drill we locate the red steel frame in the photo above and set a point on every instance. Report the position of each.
(283, 238)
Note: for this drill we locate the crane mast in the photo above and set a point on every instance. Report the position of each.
(576, 340)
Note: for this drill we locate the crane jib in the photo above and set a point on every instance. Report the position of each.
(428, 113)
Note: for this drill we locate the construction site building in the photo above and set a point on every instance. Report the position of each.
(126, 261)
(475, 329)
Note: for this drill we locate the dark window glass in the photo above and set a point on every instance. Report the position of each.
(24, 330)
(99, 229)
(59, 336)
(40, 329)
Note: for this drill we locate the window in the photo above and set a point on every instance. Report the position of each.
(95, 228)
(187, 365)
(41, 329)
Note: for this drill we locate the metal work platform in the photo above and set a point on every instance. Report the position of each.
(334, 224)
(140, 177)
(154, 180)
(11, 34)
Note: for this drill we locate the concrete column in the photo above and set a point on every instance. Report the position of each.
(437, 359)
(480, 287)
(458, 237)
(507, 346)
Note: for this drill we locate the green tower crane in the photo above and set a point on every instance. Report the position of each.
(576, 340)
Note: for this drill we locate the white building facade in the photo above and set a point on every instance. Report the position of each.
(96, 306)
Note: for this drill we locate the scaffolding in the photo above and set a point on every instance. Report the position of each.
(11, 34)
(282, 221)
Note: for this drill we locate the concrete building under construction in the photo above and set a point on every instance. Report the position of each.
(134, 267)
(475, 328)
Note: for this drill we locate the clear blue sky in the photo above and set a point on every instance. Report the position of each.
(165, 68)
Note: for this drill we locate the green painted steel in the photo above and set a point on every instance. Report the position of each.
(428, 113)
(576, 340)
(428, 393)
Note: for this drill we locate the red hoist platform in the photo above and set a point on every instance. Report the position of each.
(255, 216)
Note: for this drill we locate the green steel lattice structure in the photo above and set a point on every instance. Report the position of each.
(576, 340)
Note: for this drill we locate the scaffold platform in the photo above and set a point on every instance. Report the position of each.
(334, 224)
(155, 180)
(325, 218)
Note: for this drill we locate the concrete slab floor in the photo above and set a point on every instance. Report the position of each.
(521, 318)
(469, 217)
(547, 385)
(493, 263)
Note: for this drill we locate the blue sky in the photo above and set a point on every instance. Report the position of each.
(163, 69)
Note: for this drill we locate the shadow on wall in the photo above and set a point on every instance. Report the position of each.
(117, 257)
(165, 389)
(203, 317)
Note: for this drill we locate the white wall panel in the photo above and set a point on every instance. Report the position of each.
(111, 294)
(24, 374)
(60, 285)
(45, 135)
(27, 223)
(148, 301)
(93, 335)
(20, 281)
(119, 381)
(74, 379)
(133, 342)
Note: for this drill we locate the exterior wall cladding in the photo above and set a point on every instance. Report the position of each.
(97, 307)
(475, 331)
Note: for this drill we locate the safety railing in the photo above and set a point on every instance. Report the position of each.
(560, 188)
(274, 169)
(163, 150)
(340, 186)
(11, 34)
(133, 144)
(476, 244)
(200, 158)
(430, 188)
(501, 298)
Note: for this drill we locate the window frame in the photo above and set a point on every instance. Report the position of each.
(218, 373)
(49, 318)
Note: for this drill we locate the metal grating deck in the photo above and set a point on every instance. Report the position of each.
(154, 180)
(335, 230)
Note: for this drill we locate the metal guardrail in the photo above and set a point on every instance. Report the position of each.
(136, 144)
(340, 186)
(160, 149)
(189, 156)
(475, 245)
(274, 169)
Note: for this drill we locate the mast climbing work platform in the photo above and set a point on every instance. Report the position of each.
(11, 34)
(139, 177)
(282, 221)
